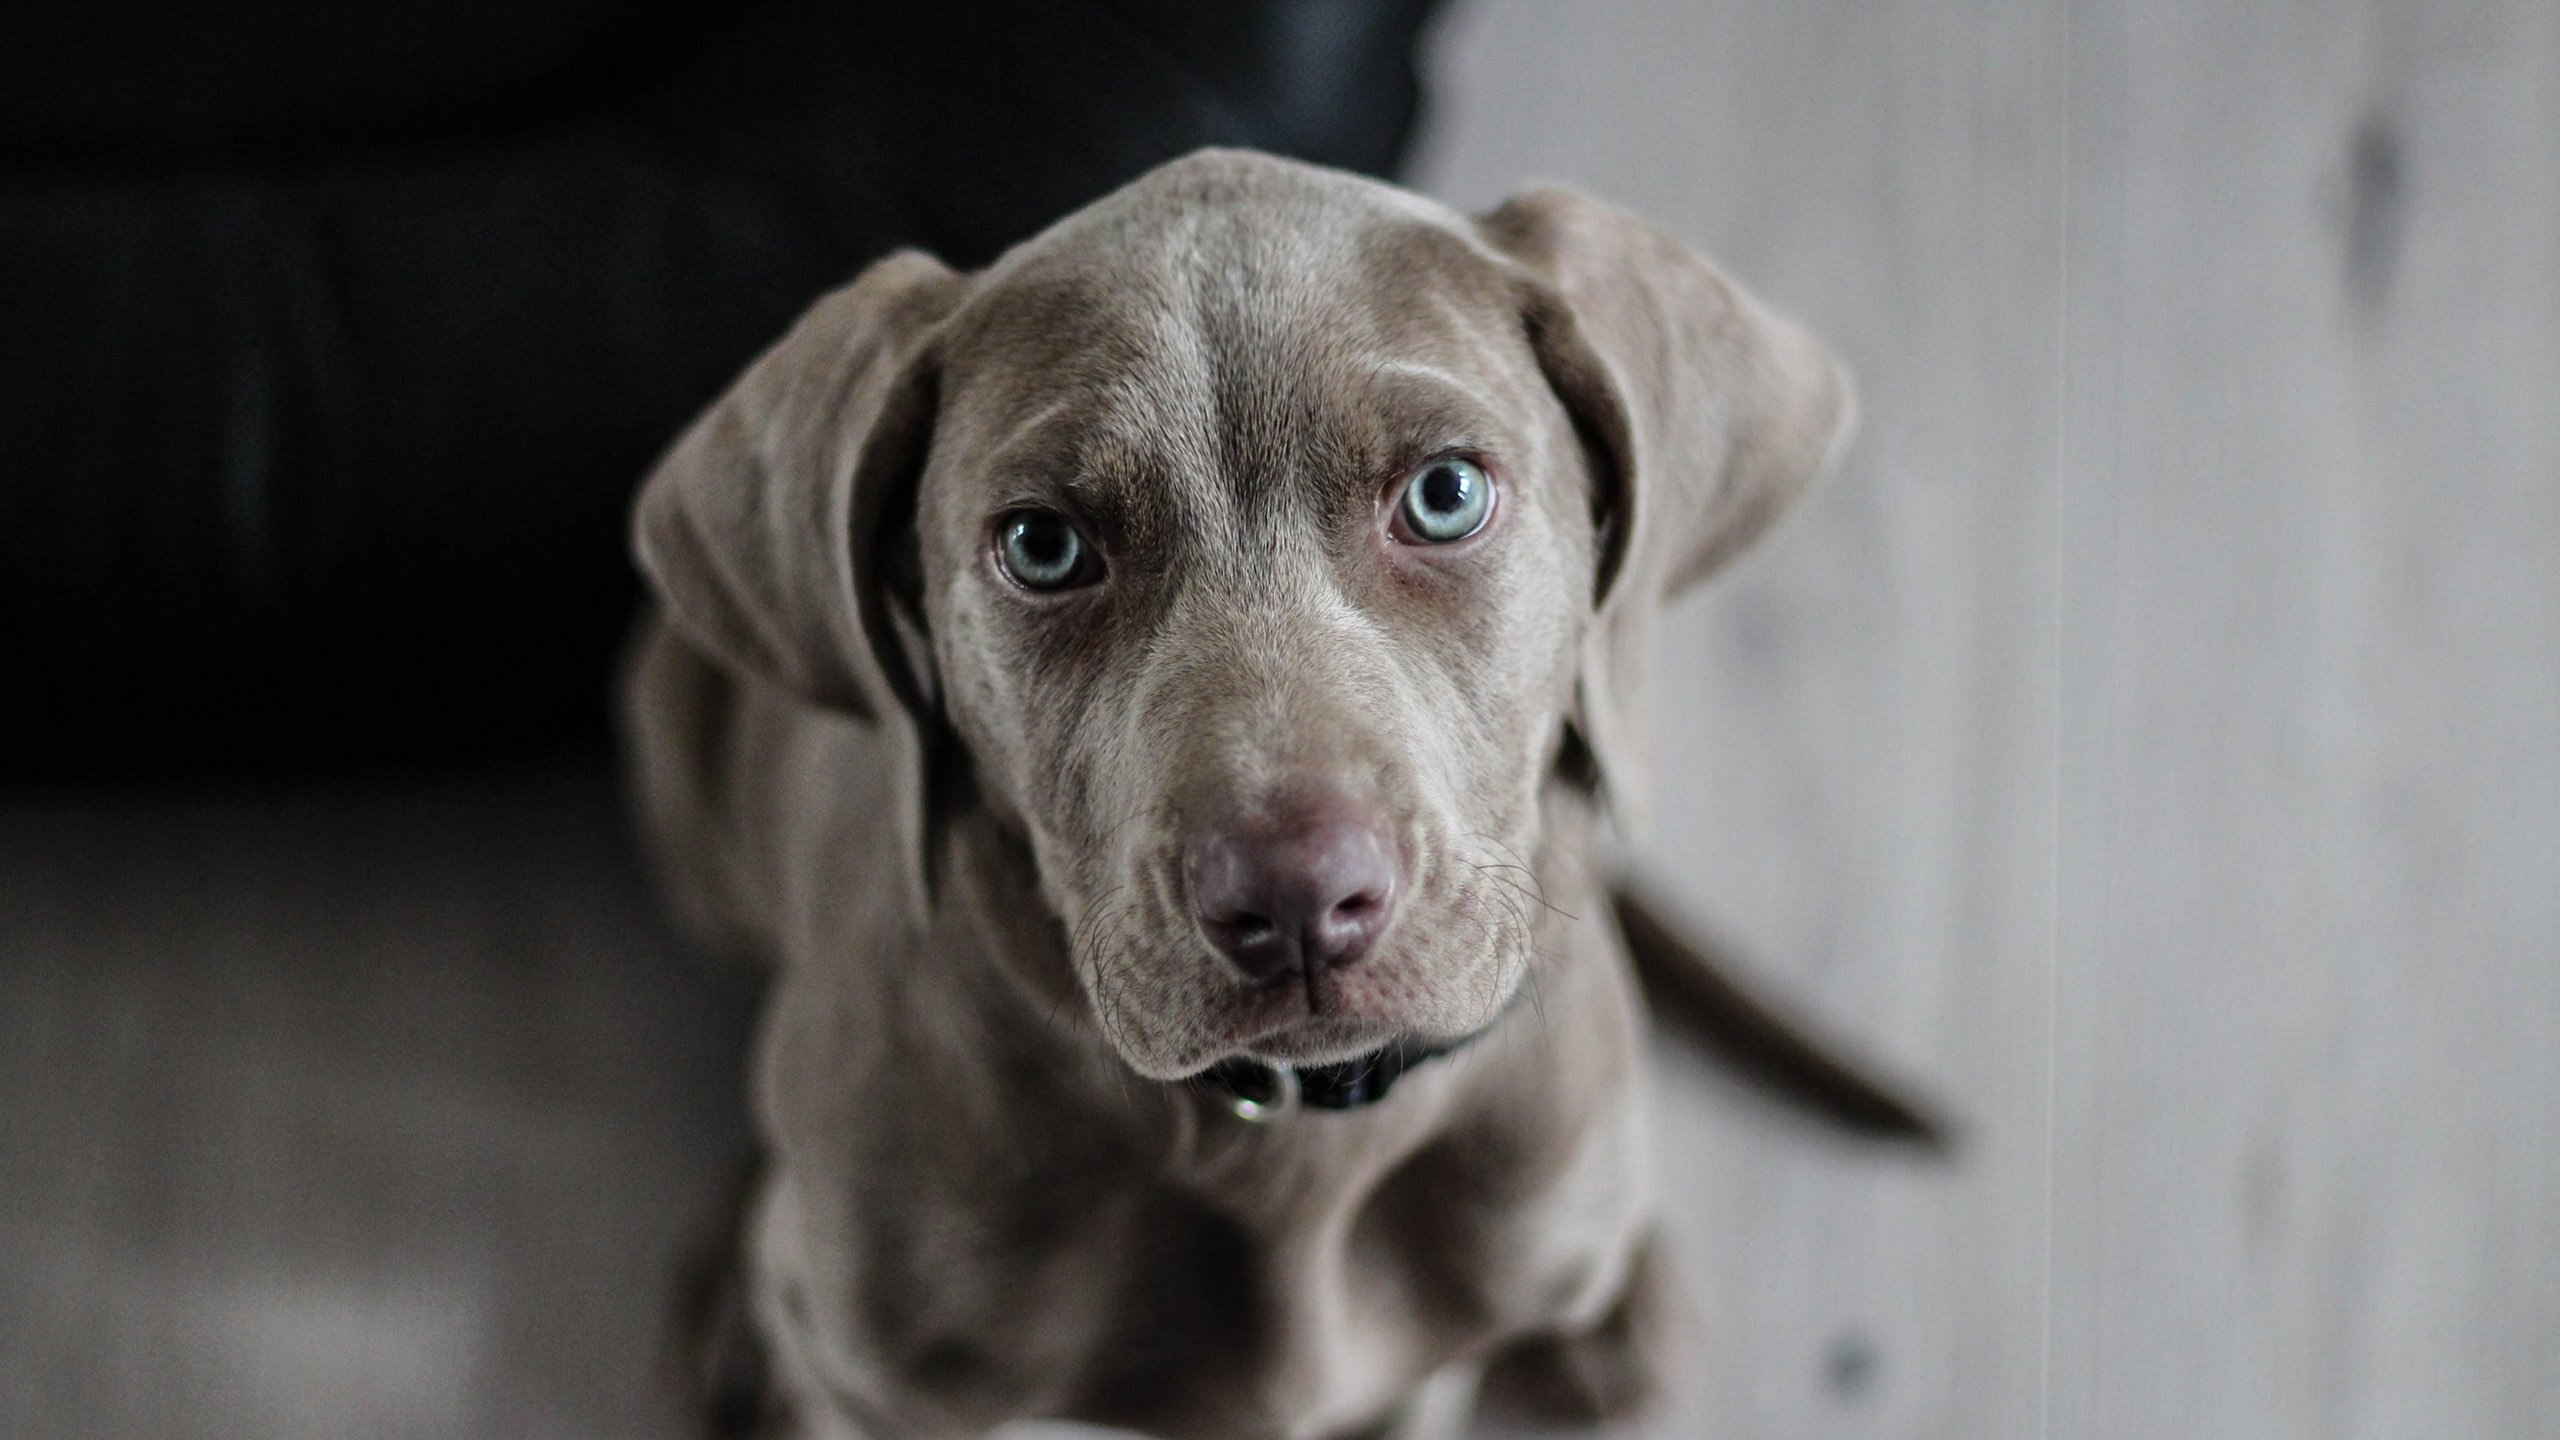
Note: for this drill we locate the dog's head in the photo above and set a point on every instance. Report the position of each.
(1259, 543)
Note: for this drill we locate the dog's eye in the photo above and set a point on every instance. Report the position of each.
(1447, 499)
(1042, 550)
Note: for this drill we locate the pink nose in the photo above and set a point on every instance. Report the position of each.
(1307, 888)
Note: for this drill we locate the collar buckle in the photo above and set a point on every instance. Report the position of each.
(1258, 1090)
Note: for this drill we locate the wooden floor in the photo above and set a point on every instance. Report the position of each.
(381, 1111)
(2152, 738)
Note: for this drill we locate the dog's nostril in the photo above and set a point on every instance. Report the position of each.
(1342, 937)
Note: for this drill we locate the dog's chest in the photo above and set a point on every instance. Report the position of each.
(1279, 1282)
(1315, 1311)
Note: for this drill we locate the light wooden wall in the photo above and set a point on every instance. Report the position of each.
(2154, 733)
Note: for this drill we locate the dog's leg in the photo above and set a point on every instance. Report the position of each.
(1438, 1410)
(1612, 1370)
(723, 1368)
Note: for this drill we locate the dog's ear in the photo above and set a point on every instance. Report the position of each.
(1705, 415)
(773, 531)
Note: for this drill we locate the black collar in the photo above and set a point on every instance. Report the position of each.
(1266, 1089)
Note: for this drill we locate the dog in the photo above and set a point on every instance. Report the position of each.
(1153, 704)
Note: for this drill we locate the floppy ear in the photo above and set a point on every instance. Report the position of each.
(767, 530)
(1705, 413)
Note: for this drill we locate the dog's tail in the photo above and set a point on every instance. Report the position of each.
(1696, 984)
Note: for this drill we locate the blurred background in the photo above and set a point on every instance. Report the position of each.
(2151, 740)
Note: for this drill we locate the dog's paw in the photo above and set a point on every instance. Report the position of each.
(1574, 1379)
(1614, 1370)
(732, 1395)
(721, 1369)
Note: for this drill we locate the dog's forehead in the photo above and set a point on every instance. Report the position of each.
(1251, 235)
(1222, 309)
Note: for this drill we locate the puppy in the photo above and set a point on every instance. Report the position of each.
(1150, 702)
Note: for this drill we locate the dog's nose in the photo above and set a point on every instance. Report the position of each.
(1308, 888)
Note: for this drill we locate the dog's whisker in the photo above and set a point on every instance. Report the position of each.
(1536, 894)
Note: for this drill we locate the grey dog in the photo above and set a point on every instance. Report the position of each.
(1152, 703)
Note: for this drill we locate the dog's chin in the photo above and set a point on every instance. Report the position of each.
(1322, 1040)
(1268, 1024)
(1284, 1023)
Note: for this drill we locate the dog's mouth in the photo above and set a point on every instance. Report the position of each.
(1310, 1023)
(1318, 1039)
(1175, 1006)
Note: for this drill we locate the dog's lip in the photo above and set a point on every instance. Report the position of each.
(1276, 1020)
(1319, 1040)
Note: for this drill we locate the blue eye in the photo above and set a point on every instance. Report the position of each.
(1043, 550)
(1447, 499)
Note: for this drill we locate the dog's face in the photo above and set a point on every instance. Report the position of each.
(1267, 539)
(1257, 553)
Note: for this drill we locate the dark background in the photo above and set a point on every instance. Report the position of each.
(336, 336)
